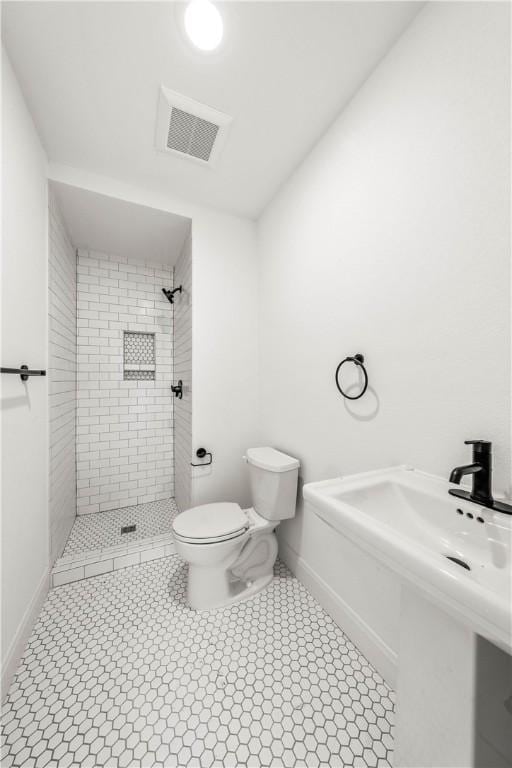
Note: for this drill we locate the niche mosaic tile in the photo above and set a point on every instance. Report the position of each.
(139, 350)
(120, 672)
(101, 530)
(139, 375)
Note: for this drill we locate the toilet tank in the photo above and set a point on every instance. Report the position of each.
(273, 477)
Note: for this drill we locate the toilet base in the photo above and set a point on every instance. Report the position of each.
(209, 589)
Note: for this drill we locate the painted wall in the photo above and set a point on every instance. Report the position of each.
(224, 354)
(224, 333)
(24, 406)
(124, 447)
(393, 239)
(61, 379)
(183, 371)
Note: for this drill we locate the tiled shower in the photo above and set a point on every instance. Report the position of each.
(125, 453)
(183, 371)
(120, 442)
(62, 359)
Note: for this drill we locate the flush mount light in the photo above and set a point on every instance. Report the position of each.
(203, 24)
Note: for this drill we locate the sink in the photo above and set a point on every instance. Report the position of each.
(456, 552)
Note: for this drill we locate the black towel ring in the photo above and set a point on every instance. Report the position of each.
(358, 360)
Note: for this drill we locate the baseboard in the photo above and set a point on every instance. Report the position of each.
(371, 645)
(17, 647)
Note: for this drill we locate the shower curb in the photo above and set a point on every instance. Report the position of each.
(94, 563)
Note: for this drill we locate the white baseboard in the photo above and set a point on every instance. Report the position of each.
(17, 647)
(371, 645)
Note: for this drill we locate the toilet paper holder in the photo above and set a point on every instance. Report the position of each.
(201, 453)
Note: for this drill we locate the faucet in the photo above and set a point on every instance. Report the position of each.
(481, 470)
(458, 473)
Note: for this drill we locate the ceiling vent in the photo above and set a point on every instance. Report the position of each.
(190, 129)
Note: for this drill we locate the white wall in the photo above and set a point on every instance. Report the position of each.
(224, 354)
(61, 379)
(183, 372)
(224, 337)
(125, 445)
(24, 411)
(393, 239)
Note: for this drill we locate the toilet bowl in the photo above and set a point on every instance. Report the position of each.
(231, 551)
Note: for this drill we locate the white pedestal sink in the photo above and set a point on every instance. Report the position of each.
(454, 689)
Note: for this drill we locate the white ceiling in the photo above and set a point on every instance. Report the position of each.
(102, 223)
(91, 73)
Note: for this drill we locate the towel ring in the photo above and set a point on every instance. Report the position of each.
(358, 360)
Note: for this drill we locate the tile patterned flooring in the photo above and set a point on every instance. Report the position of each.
(120, 672)
(102, 530)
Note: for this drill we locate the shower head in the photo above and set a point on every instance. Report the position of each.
(170, 294)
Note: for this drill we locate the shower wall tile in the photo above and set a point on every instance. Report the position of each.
(61, 378)
(124, 427)
(183, 371)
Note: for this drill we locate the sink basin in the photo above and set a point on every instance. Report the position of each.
(455, 551)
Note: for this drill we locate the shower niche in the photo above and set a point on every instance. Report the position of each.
(139, 356)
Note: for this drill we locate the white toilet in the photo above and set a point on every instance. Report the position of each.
(231, 551)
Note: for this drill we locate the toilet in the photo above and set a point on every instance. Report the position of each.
(231, 551)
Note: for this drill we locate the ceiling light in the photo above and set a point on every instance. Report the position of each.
(203, 24)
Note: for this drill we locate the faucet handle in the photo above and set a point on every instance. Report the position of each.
(478, 443)
(481, 448)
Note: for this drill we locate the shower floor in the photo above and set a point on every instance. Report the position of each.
(102, 530)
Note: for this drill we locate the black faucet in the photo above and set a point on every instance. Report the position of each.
(481, 469)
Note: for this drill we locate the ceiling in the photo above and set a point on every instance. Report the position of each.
(91, 73)
(106, 224)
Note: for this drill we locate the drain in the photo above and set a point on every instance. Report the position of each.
(128, 528)
(458, 562)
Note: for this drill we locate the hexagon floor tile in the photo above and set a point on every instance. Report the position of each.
(101, 530)
(120, 672)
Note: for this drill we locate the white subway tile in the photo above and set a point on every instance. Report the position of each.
(125, 435)
(66, 577)
(124, 561)
(101, 566)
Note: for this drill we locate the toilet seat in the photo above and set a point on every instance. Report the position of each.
(211, 523)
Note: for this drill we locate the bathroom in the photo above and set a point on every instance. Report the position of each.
(256, 259)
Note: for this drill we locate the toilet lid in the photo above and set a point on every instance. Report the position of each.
(211, 521)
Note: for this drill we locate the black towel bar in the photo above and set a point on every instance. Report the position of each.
(23, 372)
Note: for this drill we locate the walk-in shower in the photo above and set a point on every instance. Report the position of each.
(116, 355)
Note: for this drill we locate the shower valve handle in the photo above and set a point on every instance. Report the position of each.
(178, 389)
